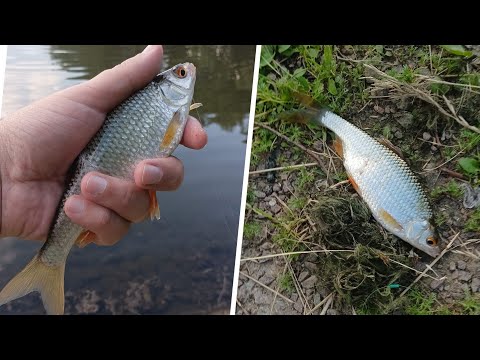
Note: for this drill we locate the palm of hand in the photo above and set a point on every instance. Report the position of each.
(41, 142)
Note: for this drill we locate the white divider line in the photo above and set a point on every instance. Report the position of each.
(253, 102)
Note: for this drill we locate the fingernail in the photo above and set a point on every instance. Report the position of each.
(151, 175)
(76, 205)
(148, 48)
(96, 185)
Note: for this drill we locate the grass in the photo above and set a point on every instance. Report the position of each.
(473, 222)
(285, 283)
(452, 188)
(250, 229)
(420, 302)
(423, 303)
(317, 217)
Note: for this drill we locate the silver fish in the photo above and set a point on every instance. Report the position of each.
(147, 125)
(385, 182)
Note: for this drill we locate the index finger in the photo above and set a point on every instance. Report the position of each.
(194, 136)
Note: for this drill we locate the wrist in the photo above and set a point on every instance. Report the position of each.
(2, 152)
(3, 172)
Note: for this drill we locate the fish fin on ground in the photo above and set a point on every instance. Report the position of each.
(389, 219)
(172, 130)
(37, 276)
(154, 210)
(305, 99)
(338, 146)
(354, 184)
(85, 238)
(385, 142)
(299, 116)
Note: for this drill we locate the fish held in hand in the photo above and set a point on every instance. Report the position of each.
(384, 181)
(149, 124)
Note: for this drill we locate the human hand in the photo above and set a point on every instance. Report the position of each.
(39, 143)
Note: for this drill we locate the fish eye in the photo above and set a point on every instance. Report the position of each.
(181, 72)
(432, 241)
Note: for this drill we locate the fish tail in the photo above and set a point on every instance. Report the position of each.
(305, 116)
(37, 276)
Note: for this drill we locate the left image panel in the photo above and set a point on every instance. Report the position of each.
(121, 189)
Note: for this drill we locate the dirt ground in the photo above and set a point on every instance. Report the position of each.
(343, 262)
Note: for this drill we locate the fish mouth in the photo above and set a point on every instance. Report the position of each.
(432, 251)
(191, 68)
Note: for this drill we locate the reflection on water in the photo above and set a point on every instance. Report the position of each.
(184, 262)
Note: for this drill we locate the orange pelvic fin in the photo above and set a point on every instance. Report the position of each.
(85, 238)
(355, 185)
(171, 132)
(154, 210)
(338, 146)
(386, 217)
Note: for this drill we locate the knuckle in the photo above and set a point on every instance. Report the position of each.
(127, 197)
(105, 218)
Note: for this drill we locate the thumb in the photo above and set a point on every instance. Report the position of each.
(112, 86)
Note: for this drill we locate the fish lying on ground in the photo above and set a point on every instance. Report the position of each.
(384, 181)
(149, 124)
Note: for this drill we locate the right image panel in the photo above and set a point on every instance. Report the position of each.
(364, 186)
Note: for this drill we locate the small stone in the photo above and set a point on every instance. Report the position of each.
(398, 134)
(464, 275)
(475, 284)
(454, 274)
(310, 282)
(461, 265)
(261, 298)
(266, 246)
(332, 312)
(316, 299)
(259, 194)
(266, 279)
(426, 136)
(276, 187)
(452, 266)
(436, 283)
(298, 306)
(272, 202)
(286, 187)
(379, 109)
(433, 148)
(310, 266)
(276, 208)
(311, 257)
(446, 287)
(303, 275)
(405, 119)
(458, 295)
(268, 189)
